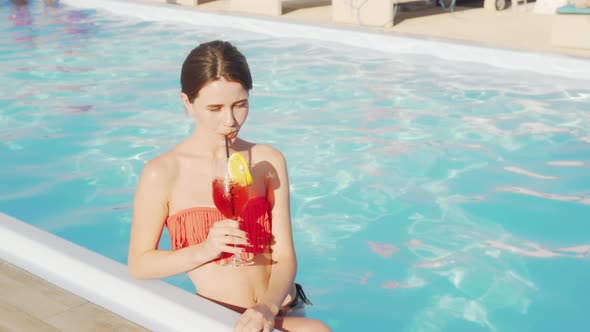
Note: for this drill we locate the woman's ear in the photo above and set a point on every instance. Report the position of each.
(186, 102)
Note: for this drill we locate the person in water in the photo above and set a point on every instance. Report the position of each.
(175, 191)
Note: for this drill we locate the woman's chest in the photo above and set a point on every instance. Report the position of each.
(195, 189)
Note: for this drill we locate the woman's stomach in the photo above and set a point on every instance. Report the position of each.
(241, 286)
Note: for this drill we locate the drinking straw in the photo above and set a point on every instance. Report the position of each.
(226, 147)
(233, 208)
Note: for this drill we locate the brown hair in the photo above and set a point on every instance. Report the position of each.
(212, 61)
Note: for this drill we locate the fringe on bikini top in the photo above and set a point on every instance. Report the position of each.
(191, 226)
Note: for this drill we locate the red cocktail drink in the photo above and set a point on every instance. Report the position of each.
(229, 197)
(231, 178)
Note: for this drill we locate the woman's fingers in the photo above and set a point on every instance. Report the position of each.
(228, 227)
(267, 327)
(232, 250)
(256, 320)
(253, 321)
(243, 321)
(227, 223)
(233, 235)
(235, 232)
(225, 236)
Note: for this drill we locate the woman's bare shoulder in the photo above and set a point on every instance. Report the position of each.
(264, 152)
(268, 159)
(161, 169)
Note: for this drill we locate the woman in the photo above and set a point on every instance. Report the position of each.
(175, 190)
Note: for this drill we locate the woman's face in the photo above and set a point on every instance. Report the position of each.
(220, 108)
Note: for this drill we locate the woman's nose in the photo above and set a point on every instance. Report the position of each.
(229, 118)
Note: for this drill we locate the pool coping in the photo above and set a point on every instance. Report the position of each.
(153, 304)
(544, 63)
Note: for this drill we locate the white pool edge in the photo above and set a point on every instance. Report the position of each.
(544, 63)
(153, 304)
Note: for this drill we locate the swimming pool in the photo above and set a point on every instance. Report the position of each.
(427, 194)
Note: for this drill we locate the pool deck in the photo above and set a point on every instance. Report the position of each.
(517, 28)
(29, 303)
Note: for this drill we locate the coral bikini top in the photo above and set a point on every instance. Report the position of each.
(191, 226)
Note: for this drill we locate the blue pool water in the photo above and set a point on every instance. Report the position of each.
(427, 195)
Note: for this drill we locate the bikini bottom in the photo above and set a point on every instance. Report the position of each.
(295, 308)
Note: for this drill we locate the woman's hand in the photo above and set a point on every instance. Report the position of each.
(222, 236)
(259, 318)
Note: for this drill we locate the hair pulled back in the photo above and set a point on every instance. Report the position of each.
(212, 61)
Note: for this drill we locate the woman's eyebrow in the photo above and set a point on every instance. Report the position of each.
(245, 100)
(241, 101)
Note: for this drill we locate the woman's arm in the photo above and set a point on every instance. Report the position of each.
(262, 315)
(150, 210)
(284, 259)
